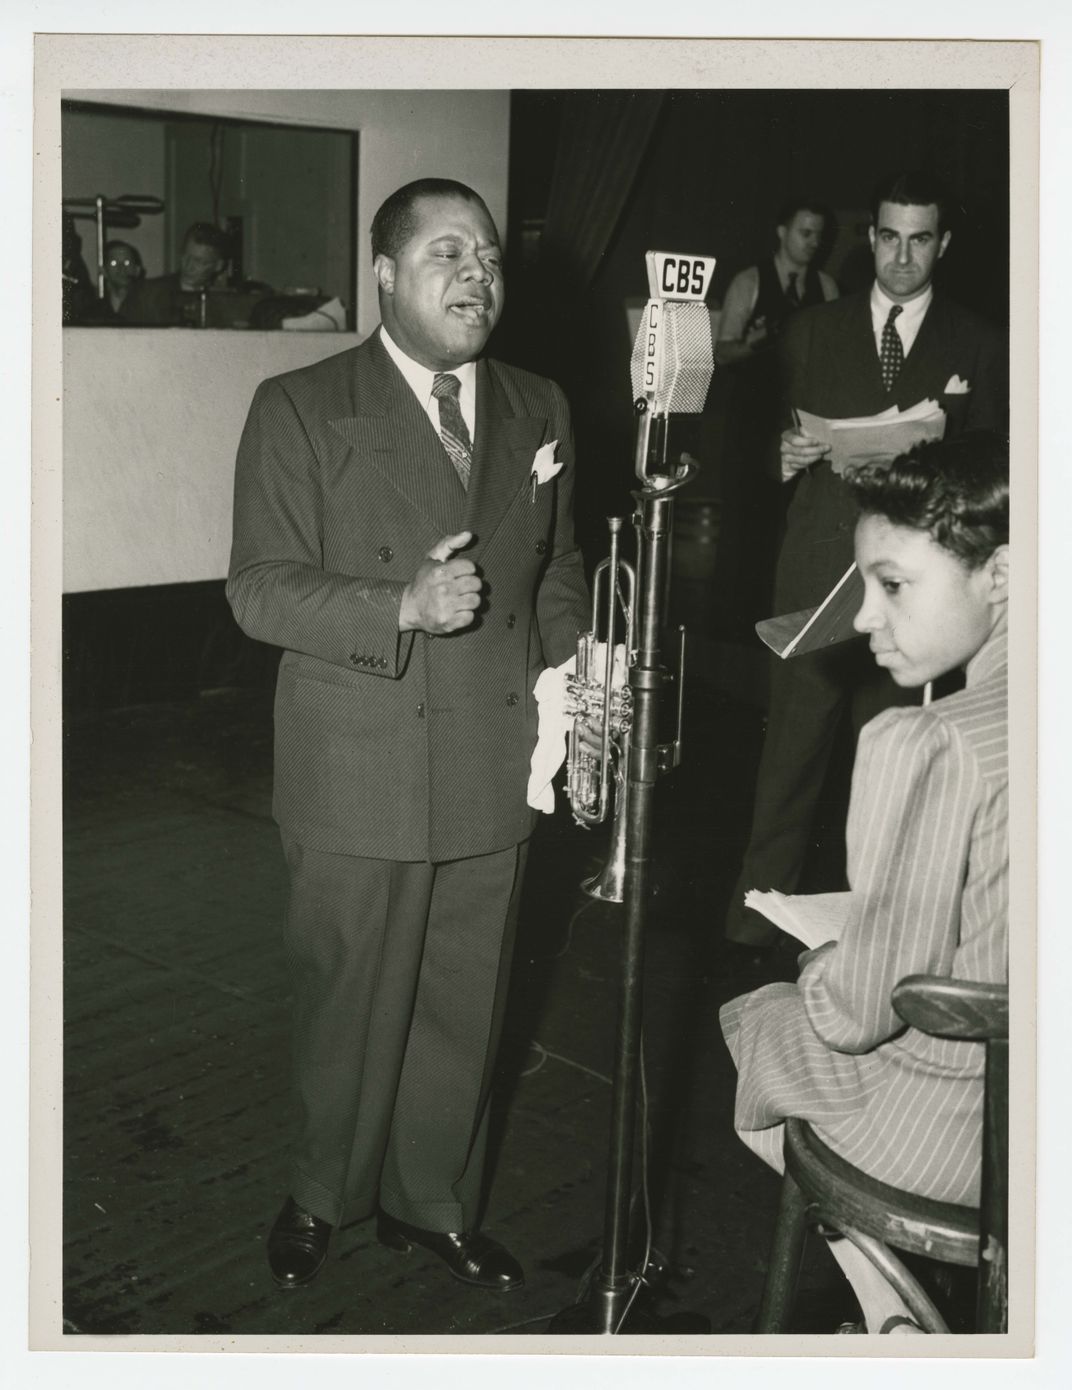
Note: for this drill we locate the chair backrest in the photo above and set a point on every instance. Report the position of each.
(969, 1010)
(950, 1008)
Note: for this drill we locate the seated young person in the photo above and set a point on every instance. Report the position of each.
(928, 859)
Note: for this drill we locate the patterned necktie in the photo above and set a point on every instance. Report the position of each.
(891, 358)
(452, 427)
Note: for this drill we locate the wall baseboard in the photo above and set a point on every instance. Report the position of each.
(164, 642)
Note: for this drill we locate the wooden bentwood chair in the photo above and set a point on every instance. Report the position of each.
(823, 1190)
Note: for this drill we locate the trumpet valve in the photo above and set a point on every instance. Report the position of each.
(584, 700)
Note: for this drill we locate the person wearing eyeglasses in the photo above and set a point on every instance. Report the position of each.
(123, 272)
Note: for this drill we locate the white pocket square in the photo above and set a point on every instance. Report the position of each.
(956, 387)
(544, 466)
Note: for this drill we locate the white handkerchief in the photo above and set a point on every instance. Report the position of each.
(550, 751)
(544, 467)
(556, 725)
(956, 387)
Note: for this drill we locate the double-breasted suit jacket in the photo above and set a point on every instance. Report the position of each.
(401, 759)
(830, 367)
(398, 745)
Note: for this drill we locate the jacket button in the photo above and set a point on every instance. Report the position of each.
(511, 620)
(420, 710)
(386, 554)
(382, 663)
(541, 547)
(512, 698)
(355, 660)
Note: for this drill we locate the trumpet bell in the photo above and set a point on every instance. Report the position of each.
(608, 886)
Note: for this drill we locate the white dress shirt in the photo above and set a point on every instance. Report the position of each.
(421, 378)
(907, 321)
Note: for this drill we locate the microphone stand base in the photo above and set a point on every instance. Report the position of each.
(588, 1320)
(610, 1313)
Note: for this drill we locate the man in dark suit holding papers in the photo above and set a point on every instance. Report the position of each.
(894, 345)
(390, 536)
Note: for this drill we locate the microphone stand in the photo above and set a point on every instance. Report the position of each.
(610, 1306)
(110, 213)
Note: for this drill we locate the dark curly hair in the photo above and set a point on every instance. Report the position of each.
(396, 217)
(913, 188)
(957, 490)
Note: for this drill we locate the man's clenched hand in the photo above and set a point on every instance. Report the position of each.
(445, 592)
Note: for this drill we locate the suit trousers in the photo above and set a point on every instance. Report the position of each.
(400, 974)
(810, 696)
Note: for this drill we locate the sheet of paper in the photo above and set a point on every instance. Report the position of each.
(876, 438)
(812, 629)
(781, 632)
(812, 918)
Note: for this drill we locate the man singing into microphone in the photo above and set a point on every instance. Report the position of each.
(391, 535)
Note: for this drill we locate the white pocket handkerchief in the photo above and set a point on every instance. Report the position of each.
(544, 467)
(956, 387)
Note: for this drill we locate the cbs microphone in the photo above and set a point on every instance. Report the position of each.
(673, 356)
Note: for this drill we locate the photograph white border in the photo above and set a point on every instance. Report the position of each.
(209, 61)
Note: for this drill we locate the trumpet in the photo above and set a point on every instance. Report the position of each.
(600, 692)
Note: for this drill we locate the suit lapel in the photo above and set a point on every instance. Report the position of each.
(915, 379)
(505, 446)
(391, 433)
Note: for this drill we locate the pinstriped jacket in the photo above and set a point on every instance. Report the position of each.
(928, 864)
(402, 745)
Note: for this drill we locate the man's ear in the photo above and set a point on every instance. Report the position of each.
(384, 269)
(943, 244)
(871, 237)
(998, 569)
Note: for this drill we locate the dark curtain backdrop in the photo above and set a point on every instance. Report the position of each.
(578, 157)
(606, 176)
(602, 141)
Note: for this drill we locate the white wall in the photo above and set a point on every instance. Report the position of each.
(152, 417)
(151, 423)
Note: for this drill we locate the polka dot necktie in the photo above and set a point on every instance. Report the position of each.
(891, 358)
(452, 427)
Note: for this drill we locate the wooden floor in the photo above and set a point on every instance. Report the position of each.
(177, 1107)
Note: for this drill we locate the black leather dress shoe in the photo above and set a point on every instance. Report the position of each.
(297, 1246)
(471, 1256)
